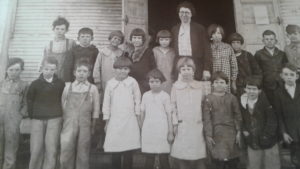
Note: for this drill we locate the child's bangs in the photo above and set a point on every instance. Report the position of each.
(185, 61)
(121, 62)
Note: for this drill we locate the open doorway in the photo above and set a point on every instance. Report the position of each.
(163, 15)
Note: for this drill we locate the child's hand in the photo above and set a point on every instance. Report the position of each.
(210, 141)
(287, 138)
(238, 139)
(246, 133)
(206, 75)
(170, 137)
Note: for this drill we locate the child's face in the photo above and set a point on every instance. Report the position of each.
(269, 41)
(164, 42)
(236, 45)
(122, 73)
(14, 71)
(217, 36)
(294, 37)
(219, 85)
(85, 39)
(60, 31)
(137, 41)
(289, 77)
(81, 73)
(48, 70)
(115, 41)
(185, 15)
(252, 91)
(155, 84)
(187, 72)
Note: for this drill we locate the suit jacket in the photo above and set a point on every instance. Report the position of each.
(201, 51)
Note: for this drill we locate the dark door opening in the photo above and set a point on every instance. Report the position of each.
(163, 15)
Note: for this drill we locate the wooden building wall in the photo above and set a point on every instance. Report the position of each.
(33, 26)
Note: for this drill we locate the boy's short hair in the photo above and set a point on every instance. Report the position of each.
(163, 34)
(290, 67)
(15, 60)
(185, 60)
(236, 37)
(268, 32)
(252, 81)
(290, 29)
(188, 5)
(219, 75)
(86, 31)
(213, 29)
(61, 21)
(83, 62)
(50, 60)
(122, 61)
(156, 74)
(118, 34)
(138, 32)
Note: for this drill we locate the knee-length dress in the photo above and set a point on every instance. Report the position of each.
(186, 98)
(222, 121)
(155, 127)
(121, 106)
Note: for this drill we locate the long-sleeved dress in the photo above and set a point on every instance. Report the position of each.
(222, 121)
(121, 105)
(186, 99)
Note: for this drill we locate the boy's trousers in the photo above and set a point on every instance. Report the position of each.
(264, 159)
(44, 139)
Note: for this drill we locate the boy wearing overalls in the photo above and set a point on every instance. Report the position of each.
(80, 102)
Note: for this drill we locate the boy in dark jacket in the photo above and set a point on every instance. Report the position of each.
(259, 127)
(270, 60)
(45, 111)
(247, 65)
(84, 51)
(287, 104)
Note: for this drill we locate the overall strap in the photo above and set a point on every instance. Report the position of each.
(51, 46)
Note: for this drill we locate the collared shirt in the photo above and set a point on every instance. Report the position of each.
(81, 87)
(184, 40)
(49, 80)
(291, 90)
(246, 101)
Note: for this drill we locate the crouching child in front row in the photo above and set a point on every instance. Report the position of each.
(45, 111)
(259, 127)
(80, 101)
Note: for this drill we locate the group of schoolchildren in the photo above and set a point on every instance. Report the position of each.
(252, 99)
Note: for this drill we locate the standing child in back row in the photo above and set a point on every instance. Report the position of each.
(80, 102)
(84, 51)
(293, 49)
(270, 60)
(164, 56)
(12, 110)
(60, 48)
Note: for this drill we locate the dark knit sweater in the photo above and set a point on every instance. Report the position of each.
(44, 98)
(89, 53)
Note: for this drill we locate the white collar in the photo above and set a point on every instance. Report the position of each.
(245, 101)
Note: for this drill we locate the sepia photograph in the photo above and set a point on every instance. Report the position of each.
(149, 84)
